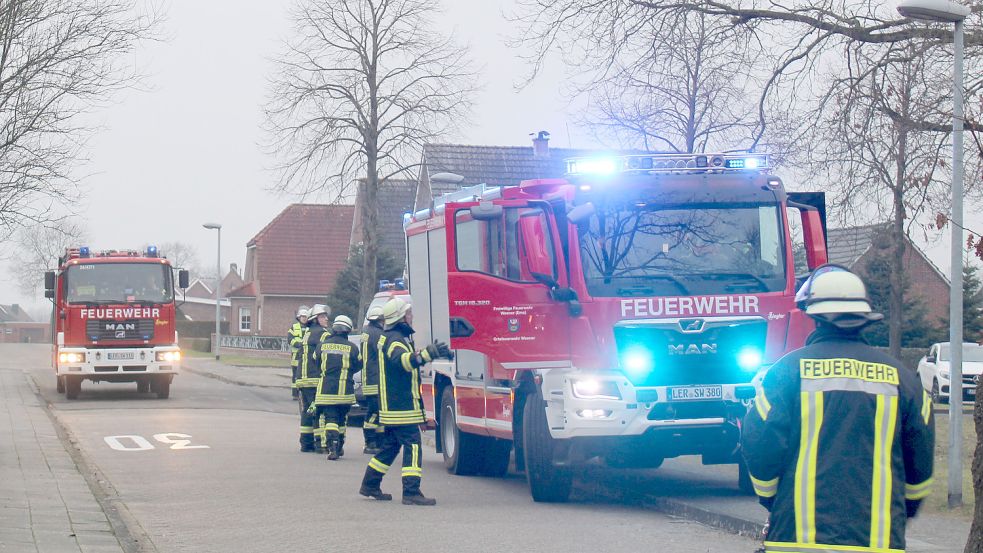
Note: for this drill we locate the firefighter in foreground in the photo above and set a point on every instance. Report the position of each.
(295, 337)
(400, 406)
(839, 443)
(371, 429)
(340, 360)
(309, 375)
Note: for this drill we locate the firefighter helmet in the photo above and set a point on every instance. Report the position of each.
(318, 309)
(342, 323)
(836, 295)
(303, 311)
(375, 313)
(394, 310)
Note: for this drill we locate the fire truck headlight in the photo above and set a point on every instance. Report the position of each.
(168, 356)
(749, 358)
(590, 388)
(69, 358)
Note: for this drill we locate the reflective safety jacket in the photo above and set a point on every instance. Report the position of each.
(370, 357)
(295, 337)
(399, 378)
(309, 372)
(839, 445)
(340, 360)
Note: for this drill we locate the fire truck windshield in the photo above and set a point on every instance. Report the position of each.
(103, 283)
(694, 249)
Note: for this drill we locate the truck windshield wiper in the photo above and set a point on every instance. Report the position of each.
(737, 276)
(679, 284)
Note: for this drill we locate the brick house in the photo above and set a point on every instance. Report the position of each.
(396, 197)
(292, 261)
(16, 326)
(199, 298)
(854, 246)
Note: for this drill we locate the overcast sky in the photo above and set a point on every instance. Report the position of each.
(185, 151)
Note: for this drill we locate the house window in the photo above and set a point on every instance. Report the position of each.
(245, 319)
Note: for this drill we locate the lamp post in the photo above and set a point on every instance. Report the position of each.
(946, 11)
(218, 287)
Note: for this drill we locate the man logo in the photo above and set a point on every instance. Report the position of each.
(692, 349)
(121, 334)
(691, 325)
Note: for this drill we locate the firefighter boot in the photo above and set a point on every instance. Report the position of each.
(334, 444)
(412, 494)
(418, 499)
(370, 485)
(371, 444)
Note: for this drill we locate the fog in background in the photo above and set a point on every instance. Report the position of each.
(185, 149)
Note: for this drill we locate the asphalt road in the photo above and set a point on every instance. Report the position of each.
(216, 468)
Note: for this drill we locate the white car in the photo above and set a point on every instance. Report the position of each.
(933, 369)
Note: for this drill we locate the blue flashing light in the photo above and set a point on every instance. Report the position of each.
(637, 361)
(596, 166)
(751, 163)
(151, 251)
(749, 358)
(84, 251)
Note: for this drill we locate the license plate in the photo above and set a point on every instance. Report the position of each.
(693, 393)
(119, 355)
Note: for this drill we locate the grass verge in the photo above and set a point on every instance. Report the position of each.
(938, 502)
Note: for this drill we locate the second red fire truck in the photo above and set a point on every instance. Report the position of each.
(620, 313)
(114, 319)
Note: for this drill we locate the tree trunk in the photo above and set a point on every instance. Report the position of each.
(896, 300)
(369, 212)
(975, 542)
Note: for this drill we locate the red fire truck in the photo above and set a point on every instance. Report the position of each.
(621, 313)
(114, 319)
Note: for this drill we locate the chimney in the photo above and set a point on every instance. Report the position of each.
(233, 268)
(541, 144)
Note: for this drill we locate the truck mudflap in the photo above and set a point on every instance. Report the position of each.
(581, 404)
(106, 362)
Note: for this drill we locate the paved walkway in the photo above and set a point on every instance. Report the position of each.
(46, 506)
(263, 377)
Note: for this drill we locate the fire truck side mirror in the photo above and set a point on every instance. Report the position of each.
(815, 240)
(486, 211)
(183, 278)
(49, 284)
(49, 293)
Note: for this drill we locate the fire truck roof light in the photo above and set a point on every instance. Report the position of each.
(669, 163)
(84, 251)
(151, 251)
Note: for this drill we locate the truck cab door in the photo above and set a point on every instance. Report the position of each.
(503, 269)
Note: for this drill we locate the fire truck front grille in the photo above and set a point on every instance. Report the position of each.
(690, 351)
(128, 331)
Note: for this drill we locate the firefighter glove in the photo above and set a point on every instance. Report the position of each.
(443, 350)
(429, 353)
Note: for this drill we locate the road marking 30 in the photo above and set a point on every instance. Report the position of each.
(131, 442)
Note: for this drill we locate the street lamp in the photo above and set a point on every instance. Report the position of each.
(946, 11)
(218, 287)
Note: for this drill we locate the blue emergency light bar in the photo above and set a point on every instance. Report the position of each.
(387, 286)
(84, 251)
(668, 163)
(151, 251)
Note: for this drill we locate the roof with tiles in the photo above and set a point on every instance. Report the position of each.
(395, 198)
(13, 313)
(301, 250)
(847, 245)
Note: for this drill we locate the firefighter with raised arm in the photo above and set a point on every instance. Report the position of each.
(372, 431)
(340, 360)
(309, 375)
(840, 439)
(295, 338)
(400, 405)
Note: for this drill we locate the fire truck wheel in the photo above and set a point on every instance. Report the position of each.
(744, 479)
(73, 385)
(143, 385)
(548, 483)
(496, 460)
(462, 451)
(60, 386)
(162, 386)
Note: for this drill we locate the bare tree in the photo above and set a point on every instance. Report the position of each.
(182, 256)
(58, 58)
(36, 249)
(362, 86)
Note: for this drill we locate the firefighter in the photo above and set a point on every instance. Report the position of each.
(309, 374)
(340, 360)
(295, 337)
(371, 429)
(400, 406)
(840, 439)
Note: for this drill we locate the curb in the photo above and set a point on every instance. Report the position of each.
(728, 523)
(129, 533)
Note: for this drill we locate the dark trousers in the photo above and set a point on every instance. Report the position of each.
(295, 369)
(407, 438)
(371, 429)
(306, 419)
(333, 421)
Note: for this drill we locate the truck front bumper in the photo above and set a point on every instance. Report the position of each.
(638, 410)
(118, 362)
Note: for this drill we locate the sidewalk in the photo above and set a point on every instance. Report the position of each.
(263, 377)
(46, 505)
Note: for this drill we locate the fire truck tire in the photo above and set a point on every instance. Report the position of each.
(496, 460)
(548, 483)
(143, 385)
(744, 479)
(463, 452)
(60, 386)
(162, 385)
(73, 385)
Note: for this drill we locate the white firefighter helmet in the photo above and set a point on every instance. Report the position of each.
(318, 309)
(303, 311)
(375, 313)
(341, 322)
(394, 310)
(835, 294)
